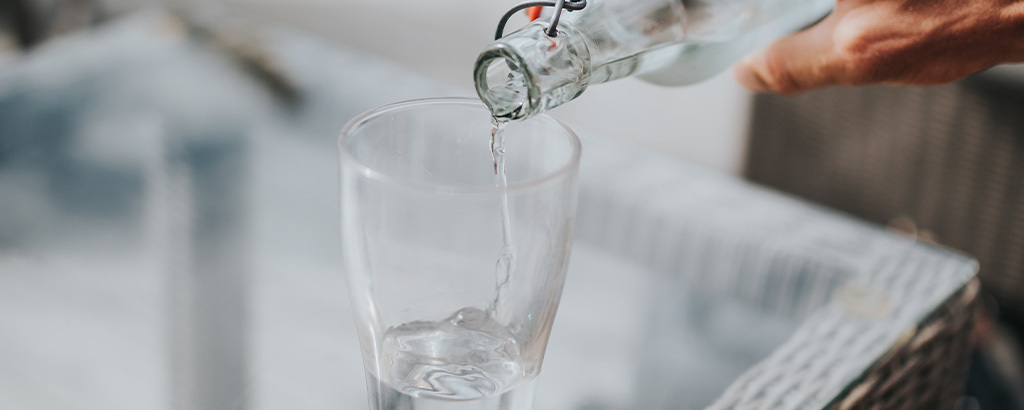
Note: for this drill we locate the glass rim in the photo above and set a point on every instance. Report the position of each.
(353, 125)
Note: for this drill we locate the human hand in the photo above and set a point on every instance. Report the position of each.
(902, 42)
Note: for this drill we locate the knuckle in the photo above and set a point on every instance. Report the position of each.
(868, 56)
(853, 41)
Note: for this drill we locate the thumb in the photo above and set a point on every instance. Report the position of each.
(794, 64)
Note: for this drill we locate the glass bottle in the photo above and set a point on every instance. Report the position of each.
(666, 42)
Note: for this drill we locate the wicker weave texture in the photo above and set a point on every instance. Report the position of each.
(947, 160)
(928, 370)
(857, 291)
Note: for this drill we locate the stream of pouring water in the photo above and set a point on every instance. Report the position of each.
(507, 257)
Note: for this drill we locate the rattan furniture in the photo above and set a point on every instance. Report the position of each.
(946, 163)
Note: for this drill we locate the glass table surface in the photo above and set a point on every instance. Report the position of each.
(168, 239)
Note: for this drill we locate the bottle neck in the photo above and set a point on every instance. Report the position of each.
(528, 72)
(665, 41)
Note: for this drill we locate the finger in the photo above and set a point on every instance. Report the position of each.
(794, 64)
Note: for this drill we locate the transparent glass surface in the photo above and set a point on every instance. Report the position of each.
(449, 315)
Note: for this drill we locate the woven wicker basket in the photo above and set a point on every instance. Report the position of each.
(944, 162)
(927, 370)
(947, 162)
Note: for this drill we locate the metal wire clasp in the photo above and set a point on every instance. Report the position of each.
(559, 5)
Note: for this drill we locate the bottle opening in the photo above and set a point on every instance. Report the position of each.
(505, 89)
(528, 72)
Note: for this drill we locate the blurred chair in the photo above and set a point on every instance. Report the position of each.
(944, 164)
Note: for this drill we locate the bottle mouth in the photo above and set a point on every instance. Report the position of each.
(528, 72)
(504, 84)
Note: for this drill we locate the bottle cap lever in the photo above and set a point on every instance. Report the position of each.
(559, 5)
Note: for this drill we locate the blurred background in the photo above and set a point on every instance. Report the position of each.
(441, 39)
(157, 162)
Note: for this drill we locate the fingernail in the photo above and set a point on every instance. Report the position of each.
(748, 77)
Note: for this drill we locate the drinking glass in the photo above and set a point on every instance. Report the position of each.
(453, 308)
